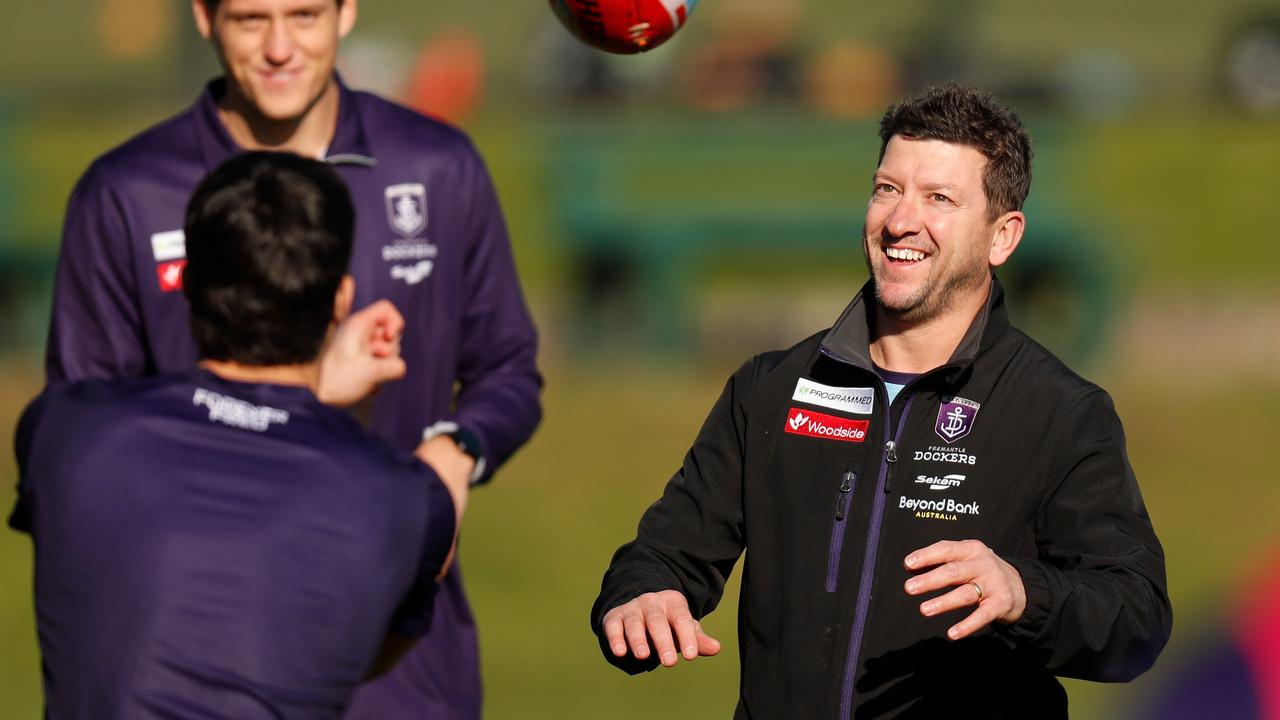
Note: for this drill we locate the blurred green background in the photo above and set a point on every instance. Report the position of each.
(1152, 261)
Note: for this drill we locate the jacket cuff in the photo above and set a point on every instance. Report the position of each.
(1039, 602)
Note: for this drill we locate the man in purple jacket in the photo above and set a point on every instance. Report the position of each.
(429, 237)
(216, 542)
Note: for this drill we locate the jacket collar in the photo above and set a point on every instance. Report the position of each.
(849, 340)
(350, 143)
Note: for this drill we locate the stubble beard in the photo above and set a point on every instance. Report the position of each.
(935, 295)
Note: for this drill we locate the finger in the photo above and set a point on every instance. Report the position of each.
(707, 645)
(633, 628)
(382, 347)
(686, 630)
(948, 575)
(963, 596)
(655, 619)
(943, 551)
(977, 620)
(387, 369)
(392, 321)
(613, 633)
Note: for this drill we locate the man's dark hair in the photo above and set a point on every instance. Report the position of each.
(268, 240)
(966, 116)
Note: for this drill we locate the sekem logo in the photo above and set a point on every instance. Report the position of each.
(412, 274)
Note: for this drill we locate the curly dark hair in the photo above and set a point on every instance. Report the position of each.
(967, 116)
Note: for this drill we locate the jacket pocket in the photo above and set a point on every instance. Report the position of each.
(843, 497)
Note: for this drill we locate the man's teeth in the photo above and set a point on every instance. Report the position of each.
(904, 254)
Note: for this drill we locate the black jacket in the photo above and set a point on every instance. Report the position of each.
(1004, 444)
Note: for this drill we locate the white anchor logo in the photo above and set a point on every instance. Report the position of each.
(955, 423)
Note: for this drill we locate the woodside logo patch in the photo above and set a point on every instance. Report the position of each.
(827, 427)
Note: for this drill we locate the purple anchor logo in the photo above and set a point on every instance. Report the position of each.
(955, 419)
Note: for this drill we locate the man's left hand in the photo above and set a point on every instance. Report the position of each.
(979, 576)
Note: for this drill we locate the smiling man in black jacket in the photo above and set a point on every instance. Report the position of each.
(940, 515)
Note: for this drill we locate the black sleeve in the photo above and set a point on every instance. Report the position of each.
(412, 617)
(690, 539)
(1097, 602)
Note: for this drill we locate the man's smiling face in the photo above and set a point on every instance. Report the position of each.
(927, 235)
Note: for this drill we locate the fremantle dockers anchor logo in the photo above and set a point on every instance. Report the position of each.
(407, 208)
(955, 419)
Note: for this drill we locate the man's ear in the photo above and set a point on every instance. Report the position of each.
(343, 298)
(204, 23)
(1007, 233)
(346, 17)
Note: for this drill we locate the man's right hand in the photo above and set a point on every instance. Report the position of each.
(651, 618)
(361, 354)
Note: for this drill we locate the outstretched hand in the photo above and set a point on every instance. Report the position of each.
(363, 353)
(650, 618)
(979, 576)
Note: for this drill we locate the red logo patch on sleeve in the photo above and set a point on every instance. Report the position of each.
(170, 275)
(827, 427)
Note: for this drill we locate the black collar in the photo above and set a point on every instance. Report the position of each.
(849, 340)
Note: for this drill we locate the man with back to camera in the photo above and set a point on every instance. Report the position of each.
(429, 237)
(216, 542)
(939, 516)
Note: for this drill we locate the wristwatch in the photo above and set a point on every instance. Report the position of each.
(467, 443)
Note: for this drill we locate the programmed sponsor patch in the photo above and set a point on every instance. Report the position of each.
(849, 399)
(169, 245)
(828, 427)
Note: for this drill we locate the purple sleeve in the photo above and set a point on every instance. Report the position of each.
(22, 516)
(500, 384)
(96, 328)
(413, 615)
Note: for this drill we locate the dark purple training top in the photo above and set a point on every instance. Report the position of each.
(214, 549)
(429, 237)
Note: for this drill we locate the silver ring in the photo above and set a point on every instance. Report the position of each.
(978, 589)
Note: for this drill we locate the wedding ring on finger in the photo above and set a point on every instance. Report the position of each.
(978, 589)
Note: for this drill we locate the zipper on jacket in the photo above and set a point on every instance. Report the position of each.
(870, 556)
(847, 483)
(891, 457)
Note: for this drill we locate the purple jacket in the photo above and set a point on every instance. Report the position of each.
(429, 237)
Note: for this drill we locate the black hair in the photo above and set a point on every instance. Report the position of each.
(268, 240)
(967, 116)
